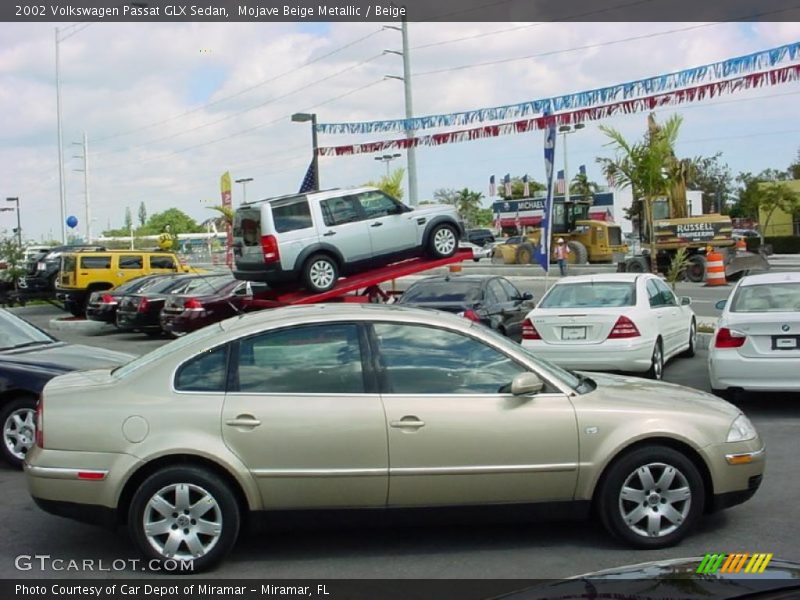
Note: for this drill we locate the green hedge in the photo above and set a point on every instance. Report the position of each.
(781, 244)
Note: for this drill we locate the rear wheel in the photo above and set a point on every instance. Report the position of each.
(637, 265)
(652, 497)
(497, 257)
(656, 370)
(525, 254)
(690, 351)
(320, 273)
(19, 429)
(443, 241)
(696, 269)
(578, 255)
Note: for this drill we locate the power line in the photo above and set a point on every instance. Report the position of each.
(241, 92)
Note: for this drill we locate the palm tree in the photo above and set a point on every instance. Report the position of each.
(468, 203)
(390, 184)
(226, 216)
(582, 187)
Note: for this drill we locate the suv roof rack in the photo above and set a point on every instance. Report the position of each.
(295, 195)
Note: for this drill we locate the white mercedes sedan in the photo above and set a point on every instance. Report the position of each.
(614, 322)
(756, 344)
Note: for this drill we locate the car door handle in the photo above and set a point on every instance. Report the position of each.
(243, 421)
(378, 224)
(408, 422)
(329, 233)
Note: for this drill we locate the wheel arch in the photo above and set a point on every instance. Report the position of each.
(438, 220)
(328, 249)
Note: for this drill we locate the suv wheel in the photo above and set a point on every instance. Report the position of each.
(17, 418)
(320, 273)
(184, 514)
(443, 241)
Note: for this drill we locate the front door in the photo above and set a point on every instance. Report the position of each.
(391, 228)
(345, 228)
(302, 418)
(456, 433)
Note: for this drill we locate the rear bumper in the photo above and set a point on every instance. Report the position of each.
(105, 314)
(71, 295)
(131, 320)
(729, 369)
(185, 322)
(619, 355)
(271, 273)
(93, 514)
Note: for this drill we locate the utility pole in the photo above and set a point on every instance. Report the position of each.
(411, 151)
(85, 169)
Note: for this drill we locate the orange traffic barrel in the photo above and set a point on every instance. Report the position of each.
(715, 269)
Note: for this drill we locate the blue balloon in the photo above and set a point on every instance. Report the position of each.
(72, 221)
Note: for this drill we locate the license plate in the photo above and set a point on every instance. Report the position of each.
(784, 343)
(573, 333)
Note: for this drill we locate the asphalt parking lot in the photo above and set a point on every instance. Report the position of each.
(539, 549)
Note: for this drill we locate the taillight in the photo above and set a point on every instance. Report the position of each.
(269, 246)
(471, 315)
(529, 331)
(623, 328)
(192, 304)
(40, 422)
(144, 303)
(729, 339)
(108, 299)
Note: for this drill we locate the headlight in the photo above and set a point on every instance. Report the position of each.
(741, 430)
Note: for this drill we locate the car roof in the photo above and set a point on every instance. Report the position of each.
(766, 278)
(600, 277)
(469, 278)
(317, 196)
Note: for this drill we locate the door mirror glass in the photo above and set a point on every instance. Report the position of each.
(525, 384)
(685, 300)
(720, 305)
(527, 296)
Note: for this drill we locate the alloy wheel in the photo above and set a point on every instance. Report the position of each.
(19, 432)
(321, 274)
(655, 500)
(444, 241)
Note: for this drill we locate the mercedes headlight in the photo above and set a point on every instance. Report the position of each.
(741, 430)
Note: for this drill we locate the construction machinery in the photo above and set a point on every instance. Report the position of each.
(589, 240)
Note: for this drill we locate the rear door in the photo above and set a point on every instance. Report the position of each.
(129, 266)
(162, 263)
(247, 236)
(676, 321)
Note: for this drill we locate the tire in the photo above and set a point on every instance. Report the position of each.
(320, 273)
(497, 257)
(76, 310)
(167, 487)
(637, 265)
(442, 241)
(524, 254)
(656, 370)
(696, 269)
(645, 474)
(153, 333)
(726, 394)
(690, 351)
(578, 255)
(17, 418)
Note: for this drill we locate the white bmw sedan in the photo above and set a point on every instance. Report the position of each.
(756, 343)
(615, 322)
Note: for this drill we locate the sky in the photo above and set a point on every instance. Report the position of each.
(167, 108)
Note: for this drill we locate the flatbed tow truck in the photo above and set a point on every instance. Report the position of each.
(359, 288)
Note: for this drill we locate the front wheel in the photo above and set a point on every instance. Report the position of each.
(19, 430)
(443, 241)
(184, 514)
(651, 498)
(320, 273)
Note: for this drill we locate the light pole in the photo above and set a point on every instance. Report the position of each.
(19, 226)
(564, 130)
(386, 159)
(244, 183)
(302, 118)
(85, 171)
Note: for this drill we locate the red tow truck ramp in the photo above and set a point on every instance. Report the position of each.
(359, 287)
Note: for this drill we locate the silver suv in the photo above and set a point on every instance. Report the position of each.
(317, 237)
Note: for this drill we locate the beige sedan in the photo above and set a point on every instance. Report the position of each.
(364, 407)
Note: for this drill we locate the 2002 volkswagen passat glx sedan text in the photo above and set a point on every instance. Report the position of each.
(359, 406)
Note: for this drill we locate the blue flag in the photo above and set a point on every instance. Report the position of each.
(542, 250)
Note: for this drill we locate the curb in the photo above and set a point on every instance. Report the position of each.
(82, 326)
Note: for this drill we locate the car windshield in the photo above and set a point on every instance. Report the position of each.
(206, 286)
(442, 291)
(596, 294)
(767, 297)
(18, 333)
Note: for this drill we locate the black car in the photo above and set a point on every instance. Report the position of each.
(480, 237)
(29, 358)
(487, 299)
(102, 305)
(40, 280)
(141, 311)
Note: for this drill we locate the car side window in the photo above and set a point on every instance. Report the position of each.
(291, 215)
(95, 262)
(206, 372)
(417, 359)
(511, 291)
(162, 262)
(497, 290)
(313, 359)
(378, 204)
(336, 211)
(130, 262)
(654, 294)
(667, 297)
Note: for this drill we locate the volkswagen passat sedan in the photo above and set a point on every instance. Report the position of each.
(375, 407)
(756, 344)
(616, 322)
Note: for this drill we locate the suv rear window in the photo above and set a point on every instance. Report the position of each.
(162, 262)
(95, 262)
(291, 215)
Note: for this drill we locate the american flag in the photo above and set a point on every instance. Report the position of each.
(507, 184)
(560, 183)
(582, 170)
(610, 180)
(310, 180)
(492, 187)
(526, 188)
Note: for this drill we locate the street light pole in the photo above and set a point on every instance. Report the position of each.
(19, 222)
(61, 188)
(85, 169)
(386, 159)
(244, 183)
(564, 130)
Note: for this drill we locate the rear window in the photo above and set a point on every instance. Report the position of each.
(599, 294)
(95, 262)
(247, 226)
(773, 297)
(444, 291)
(162, 262)
(130, 262)
(291, 215)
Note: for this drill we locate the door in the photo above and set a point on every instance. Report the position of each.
(303, 417)
(512, 309)
(457, 435)
(391, 228)
(129, 267)
(345, 228)
(668, 315)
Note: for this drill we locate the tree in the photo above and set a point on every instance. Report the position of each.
(794, 168)
(225, 217)
(128, 219)
(468, 204)
(748, 197)
(773, 196)
(13, 255)
(178, 221)
(391, 184)
(445, 196)
(142, 214)
(518, 188)
(582, 187)
(715, 180)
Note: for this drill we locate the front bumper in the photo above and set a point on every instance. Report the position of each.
(735, 483)
(729, 369)
(611, 355)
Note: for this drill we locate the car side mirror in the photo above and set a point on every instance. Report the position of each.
(685, 300)
(527, 296)
(720, 305)
(526, 384)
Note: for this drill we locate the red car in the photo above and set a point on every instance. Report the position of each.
(206, 304)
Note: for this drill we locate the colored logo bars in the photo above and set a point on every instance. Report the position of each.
(733, 563)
